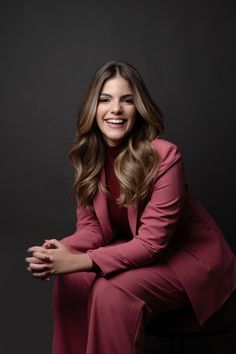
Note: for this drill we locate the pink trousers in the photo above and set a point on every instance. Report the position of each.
(98, 315)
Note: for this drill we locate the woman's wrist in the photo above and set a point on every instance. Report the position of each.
(82, 263)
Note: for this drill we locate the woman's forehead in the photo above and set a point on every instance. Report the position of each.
(117, 84)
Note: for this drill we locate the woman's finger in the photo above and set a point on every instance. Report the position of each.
(49, 245)
(33, 260)
(39, 267)
(41, 275)
(36, 249)
(46, 257)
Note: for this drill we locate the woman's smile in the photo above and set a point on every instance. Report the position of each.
(119, 121)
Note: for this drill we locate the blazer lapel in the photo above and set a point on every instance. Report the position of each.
(132, 217)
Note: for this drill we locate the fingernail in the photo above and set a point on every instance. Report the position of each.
(52, 245)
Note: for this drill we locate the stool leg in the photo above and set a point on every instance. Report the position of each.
(172, 345)
(176, 345)
(181, 345)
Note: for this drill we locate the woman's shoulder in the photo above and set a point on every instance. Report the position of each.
(168, 153)
(167, 150)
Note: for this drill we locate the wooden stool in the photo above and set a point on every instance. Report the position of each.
(182, 323)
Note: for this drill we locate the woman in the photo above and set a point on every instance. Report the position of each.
(143, 243)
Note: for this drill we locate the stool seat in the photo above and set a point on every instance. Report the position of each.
(183, 322)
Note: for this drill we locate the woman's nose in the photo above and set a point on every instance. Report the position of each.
(116, 107)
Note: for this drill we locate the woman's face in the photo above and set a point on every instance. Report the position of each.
(116, 112)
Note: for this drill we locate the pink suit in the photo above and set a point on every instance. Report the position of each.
(177, 255)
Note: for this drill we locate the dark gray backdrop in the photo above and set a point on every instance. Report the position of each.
(185, 51)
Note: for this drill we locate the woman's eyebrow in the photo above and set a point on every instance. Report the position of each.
(127, 95)
(123, 96)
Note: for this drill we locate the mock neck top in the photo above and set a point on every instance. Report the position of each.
(118, 214)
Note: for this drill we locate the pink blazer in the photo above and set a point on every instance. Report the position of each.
(171, 225)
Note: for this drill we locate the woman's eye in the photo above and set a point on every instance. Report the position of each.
(129, 100)
(103, 99)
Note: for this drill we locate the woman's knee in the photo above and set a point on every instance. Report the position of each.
(107, 295)
(72, 287)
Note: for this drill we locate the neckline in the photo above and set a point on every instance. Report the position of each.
(114, 150)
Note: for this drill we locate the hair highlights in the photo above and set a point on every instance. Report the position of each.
(137, 163)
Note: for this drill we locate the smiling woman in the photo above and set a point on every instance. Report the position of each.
(141, 235)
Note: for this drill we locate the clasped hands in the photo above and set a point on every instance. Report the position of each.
(55, 258)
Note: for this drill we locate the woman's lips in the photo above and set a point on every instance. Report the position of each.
(115, 121)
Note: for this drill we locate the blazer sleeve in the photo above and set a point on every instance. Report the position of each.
(158, 220)
(88, 234)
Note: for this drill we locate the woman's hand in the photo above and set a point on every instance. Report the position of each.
(54, 258)
(38, 263)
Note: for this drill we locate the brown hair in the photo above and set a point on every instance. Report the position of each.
(137, 163)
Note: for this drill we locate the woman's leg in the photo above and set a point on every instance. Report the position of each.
(71, 294)
(121, 305)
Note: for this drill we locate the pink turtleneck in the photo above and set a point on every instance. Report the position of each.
(118, 214)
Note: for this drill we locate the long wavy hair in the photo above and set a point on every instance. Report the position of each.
(137, 163)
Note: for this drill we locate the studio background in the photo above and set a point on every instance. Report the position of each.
(185, 51)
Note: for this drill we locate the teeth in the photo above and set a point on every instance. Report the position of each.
(115, 121)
